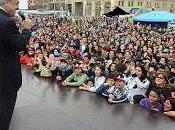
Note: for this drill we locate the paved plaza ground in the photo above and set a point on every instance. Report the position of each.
(43, 104)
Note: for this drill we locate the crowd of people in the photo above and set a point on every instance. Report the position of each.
(125, 63)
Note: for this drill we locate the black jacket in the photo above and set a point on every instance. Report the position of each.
(11, 43)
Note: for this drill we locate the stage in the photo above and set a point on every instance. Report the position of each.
(43, 104)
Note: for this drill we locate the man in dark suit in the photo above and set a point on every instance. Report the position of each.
(11, 43)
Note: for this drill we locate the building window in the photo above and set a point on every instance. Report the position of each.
(172, 5)
(141, 3)
(121, 3)
(107, 7)
(132, 3)
(107, 4)
(97, 8)
(129, 3)
(164, 5)
(150, 5)
(157, 5)
(138, 4)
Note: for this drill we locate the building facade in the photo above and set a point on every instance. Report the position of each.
(39, 4)
(99, 7)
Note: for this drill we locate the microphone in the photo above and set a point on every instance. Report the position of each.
(21, 14)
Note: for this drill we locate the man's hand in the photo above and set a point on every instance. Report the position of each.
(27, 24)
(58, 78)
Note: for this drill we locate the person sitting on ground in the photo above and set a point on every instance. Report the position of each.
(77, 78)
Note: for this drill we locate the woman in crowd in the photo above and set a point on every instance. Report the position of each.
(28, 58)
(98, 81)
(138, 85)
(111, 70)
(161, 82)
(169, 107)
(110, 58)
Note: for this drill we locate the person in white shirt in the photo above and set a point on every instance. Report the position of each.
(138, 85)
(98, 81)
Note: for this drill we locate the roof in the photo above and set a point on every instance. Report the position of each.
(155, 16)
(117, 11)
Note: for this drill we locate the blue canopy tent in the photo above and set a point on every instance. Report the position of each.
(155, 18)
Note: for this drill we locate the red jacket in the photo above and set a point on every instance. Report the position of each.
(26, 60)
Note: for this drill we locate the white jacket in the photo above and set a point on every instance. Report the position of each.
(97, 83)
(136, 87)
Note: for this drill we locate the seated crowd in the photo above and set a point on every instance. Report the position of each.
(123, 62)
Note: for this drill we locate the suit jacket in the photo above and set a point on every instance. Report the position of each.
(11, 43)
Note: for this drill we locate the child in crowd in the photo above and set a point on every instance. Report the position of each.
(110, 86)
(119, 95)
(44, 69)
(152, 102)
